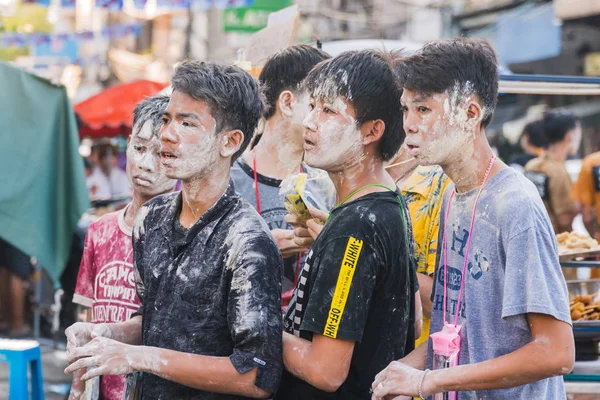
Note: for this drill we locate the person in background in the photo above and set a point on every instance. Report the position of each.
(207, 269)
(549, 172)
(257, 175)
(498, 276)
(355, 305)
(586, 191)
(15, 269)
(533, 141)
(110, 180)
(105, 283)
(422, 188)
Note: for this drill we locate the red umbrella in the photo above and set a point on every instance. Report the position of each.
(109, 113)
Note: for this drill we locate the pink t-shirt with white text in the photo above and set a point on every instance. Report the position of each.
(105, 282)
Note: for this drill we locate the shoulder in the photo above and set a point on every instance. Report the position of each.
(515, 195)
(104, 224)
(244, 222)
(368, 215)
(152, 210)
(591, 161)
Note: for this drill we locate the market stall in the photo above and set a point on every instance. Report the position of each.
(575, 250)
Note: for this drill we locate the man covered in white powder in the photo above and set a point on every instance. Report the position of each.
(258, 173)
(498, 265)
(208, 272)
(353, 309)
(105, 283)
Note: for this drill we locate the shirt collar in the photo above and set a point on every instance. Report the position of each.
(419, 181)
(216, 211)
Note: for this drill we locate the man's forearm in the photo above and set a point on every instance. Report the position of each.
(129, 332)
(425, 287)
(211, 374)
(528, 364)
(417, 358)
(324, 363)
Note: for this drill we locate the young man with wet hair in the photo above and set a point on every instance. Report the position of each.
(353, 309)
(498, 265)
(208, 272)
(258, 173)
(105, 284)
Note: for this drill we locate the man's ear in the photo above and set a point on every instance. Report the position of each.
(474, 113)
(230, 142)
(372, 131)
(286, 102)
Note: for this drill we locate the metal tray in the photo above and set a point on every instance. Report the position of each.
(581, 288)
(579, 254)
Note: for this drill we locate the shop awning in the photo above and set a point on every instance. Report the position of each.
(549, 84)
(109, 113)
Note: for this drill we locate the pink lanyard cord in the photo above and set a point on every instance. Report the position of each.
(468, 247)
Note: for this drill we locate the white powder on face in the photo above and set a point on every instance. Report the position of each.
(337, 139)
(145, 171)
(197, 150)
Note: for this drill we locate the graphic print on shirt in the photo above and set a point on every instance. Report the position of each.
(342, 287)
(114, 292)
(478, 265)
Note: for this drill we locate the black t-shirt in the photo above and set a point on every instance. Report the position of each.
(213, 289)
(358, 284)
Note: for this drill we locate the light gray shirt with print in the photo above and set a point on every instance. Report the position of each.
(513, 270)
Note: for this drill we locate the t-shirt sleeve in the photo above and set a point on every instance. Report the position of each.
(84, 289)
(341, 293)
(560, 188)
(534, 282)
(583, 188)
(254, 311)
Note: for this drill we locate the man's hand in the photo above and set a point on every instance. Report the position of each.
(285, 241)
(395, 380)
(80, 334)
(305, 234)
(108, 356)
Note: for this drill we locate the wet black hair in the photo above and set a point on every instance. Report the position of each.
(151, 108)
(535, 134)
(233, 96)
(367, 81)
(557, 123)
(465, 64)
(286, 70)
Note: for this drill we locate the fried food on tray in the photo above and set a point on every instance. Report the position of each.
(583, 308)
(569, 242)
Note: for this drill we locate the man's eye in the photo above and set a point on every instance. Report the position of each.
(328, 110)
(404, 109)
(164, 120)
(139, 148)
(422, 109)
(311, 106)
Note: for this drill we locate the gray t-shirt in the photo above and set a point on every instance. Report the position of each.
(513, 270)
(271, 208)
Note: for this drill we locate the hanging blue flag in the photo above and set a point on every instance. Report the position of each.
(173, 4)
(61, 45)
(38, 39)
(140, 4)
(44, 3)
(13, 40)
(110, 5)
(68, 3)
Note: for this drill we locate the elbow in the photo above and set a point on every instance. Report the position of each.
(328, 380)
(563, 362)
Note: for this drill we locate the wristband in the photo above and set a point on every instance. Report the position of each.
(421, 384)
